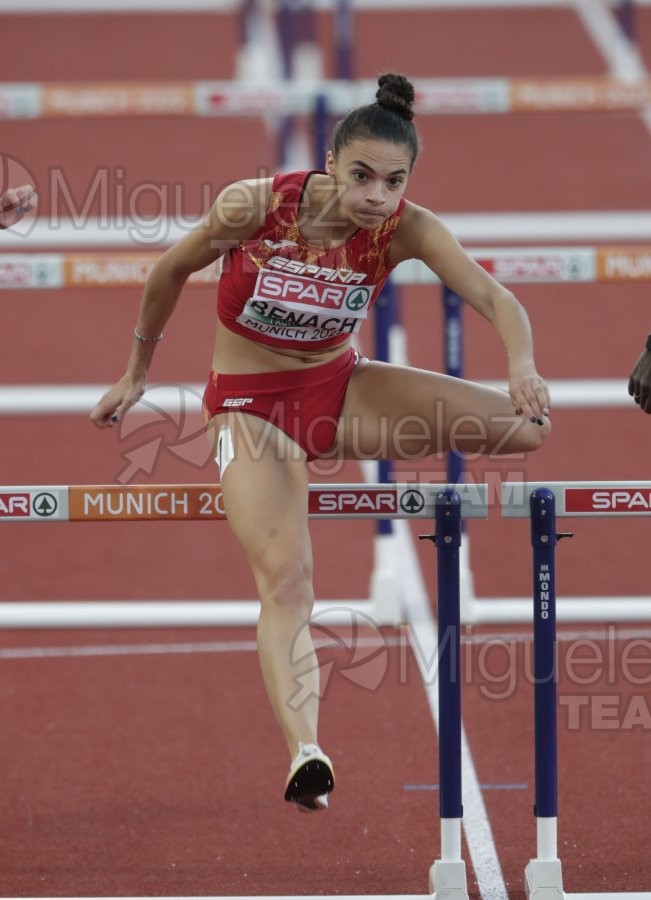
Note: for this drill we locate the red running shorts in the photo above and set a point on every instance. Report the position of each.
(304, 403)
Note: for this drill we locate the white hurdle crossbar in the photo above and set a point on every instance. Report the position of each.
(586, 499)
(203, 502)
(116, 503)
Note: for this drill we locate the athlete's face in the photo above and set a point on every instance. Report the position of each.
(372, 176)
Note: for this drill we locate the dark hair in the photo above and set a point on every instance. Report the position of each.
(388, 119)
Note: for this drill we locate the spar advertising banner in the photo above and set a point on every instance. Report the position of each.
(581, 498)
(203, 502)
(33, 504)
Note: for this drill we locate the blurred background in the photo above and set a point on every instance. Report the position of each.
(129, 117)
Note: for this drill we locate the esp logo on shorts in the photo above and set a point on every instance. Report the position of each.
(237, 401)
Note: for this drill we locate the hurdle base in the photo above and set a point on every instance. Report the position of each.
(447, 880)
(543, 880)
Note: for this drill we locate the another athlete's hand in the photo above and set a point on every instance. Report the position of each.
(639, 384)
(530, 395)
(15, 203)
(114, 404)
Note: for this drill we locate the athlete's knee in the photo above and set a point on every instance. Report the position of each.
(519, 437)
(534, 434)
(286, 583)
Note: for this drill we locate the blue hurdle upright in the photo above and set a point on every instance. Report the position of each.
(448, 874)
(543, 874)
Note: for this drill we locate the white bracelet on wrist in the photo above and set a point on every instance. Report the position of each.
(146, 340)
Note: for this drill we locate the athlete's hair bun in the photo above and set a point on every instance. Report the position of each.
(388, 119)
(396, 93)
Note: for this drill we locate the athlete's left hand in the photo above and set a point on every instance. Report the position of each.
(530, 395)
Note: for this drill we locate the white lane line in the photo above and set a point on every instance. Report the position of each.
(611, 634)
(621, 56)
(94, 650)
(98, 650)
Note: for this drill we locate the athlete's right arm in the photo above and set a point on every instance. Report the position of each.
(235, 216)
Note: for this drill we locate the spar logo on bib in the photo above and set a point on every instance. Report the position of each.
(296, 308)
(358, 298)
(283, 287)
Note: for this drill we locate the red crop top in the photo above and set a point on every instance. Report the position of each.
(278, 289)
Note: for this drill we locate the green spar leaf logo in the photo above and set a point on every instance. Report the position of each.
(45, 505)
(575, 267)
(42, 273)
(358, 299)
(412, 502)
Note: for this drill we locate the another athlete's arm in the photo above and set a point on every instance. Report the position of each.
(639, 383)
(422, 235)
(235, 216)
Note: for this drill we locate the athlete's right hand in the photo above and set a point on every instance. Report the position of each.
(114, 404)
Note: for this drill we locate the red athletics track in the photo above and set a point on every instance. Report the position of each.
(143, 774)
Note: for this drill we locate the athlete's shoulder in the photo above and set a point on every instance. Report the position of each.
(291, 180)
(417, 226)
(289, 189)
(241, 207)
(415, 216)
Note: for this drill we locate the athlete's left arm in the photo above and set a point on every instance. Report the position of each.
(421, 235)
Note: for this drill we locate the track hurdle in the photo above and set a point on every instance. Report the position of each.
(203, 502)
(541, 503)
(543, 877)
(115, 503)
(448, 874)
(544, 872)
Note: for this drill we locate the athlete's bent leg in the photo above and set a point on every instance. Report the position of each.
(397, 412)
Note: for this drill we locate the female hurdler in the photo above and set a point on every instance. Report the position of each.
(304, 258)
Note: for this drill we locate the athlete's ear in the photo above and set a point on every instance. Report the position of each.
(330, 163)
